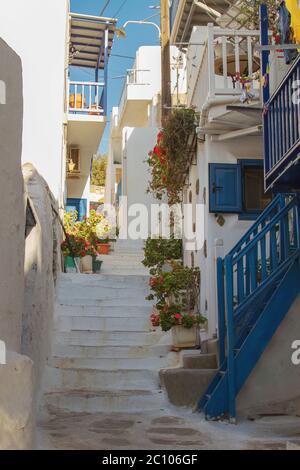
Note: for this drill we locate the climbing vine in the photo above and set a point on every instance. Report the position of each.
(171, 157)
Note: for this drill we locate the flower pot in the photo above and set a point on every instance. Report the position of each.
(79, 104)
(97, 264)
(103, 248)
(70, 266)
(185, 337)
(86, 265)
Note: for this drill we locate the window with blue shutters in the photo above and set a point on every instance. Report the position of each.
(225, 187)
(238, 188)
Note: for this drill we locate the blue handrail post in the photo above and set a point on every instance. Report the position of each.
(230, 338)
(221, 309)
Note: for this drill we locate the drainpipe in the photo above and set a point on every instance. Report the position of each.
(209, 103)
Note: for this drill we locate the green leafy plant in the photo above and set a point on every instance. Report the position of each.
(159, 250)
(83, 237)
(99, 166)
(249, 16)
(177, 295)
(170, 159)
(77, 247)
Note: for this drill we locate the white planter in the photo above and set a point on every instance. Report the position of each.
(86, 265)
(185, 337)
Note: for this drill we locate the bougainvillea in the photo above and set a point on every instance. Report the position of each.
(170, 159)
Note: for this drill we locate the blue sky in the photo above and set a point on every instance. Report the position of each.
(136, 36)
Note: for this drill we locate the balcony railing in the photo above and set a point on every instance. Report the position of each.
(134, 78)
(226, 55)
(281, 131)
(86, 98)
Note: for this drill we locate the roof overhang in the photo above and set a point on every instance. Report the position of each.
(192, 13)
(87, 40)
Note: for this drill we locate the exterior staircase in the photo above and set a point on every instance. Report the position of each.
(105, 356)
(258, 281)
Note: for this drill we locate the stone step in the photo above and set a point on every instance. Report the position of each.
(111, 364)
(95, 401)
(108, 281)
(100, 311)
(62, 379)
(200, 361)
(99, 279)
(101, 293)
(99, 303)
(111, 352)
(123, 323)
(109, 338)
(185, 386)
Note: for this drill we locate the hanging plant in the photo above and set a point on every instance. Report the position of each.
(171, 157)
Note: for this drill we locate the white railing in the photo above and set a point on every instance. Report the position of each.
(134, 77)
(85, 98)
(228, 57)
(138, 77)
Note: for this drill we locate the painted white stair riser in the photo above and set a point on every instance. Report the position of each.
(86, 311)
(111, 338)
(104, 323)
(124, 302)
(110, 352)
(101, 281)
(110, 364)
(114, 403)
(88, 292)
(90, 379)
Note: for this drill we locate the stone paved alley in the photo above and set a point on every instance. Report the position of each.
(171, 429)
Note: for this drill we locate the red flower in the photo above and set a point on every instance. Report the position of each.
(157, 150)
(178, 316)
(159, 137)
(152, 281)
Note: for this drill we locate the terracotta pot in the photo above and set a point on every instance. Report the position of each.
(96, 112)
(103, 248)
(185, 337)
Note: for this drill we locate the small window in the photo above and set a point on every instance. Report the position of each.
(255, 200)
(73, 164)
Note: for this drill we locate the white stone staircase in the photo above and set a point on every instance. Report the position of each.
(105, 355)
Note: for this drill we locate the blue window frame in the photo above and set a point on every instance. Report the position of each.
(231, 188)
(80, 205)
(225, 188)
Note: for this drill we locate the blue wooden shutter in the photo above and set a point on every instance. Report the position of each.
(225, 187)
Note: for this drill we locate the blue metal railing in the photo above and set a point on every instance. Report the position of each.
(250, 268)
(173, 11)
(281, 126)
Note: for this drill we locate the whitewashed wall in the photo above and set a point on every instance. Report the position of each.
(36, 30)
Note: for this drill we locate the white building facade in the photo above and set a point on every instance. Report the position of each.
(229, 161)
(133, 132)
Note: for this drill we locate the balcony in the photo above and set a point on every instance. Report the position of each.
(185, 14)
(90, 42)
(220, 59)
(136, 95)
(86, 114)
(281, 134)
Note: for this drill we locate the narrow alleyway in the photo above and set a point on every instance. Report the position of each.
(102, 386)
(105, 356)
